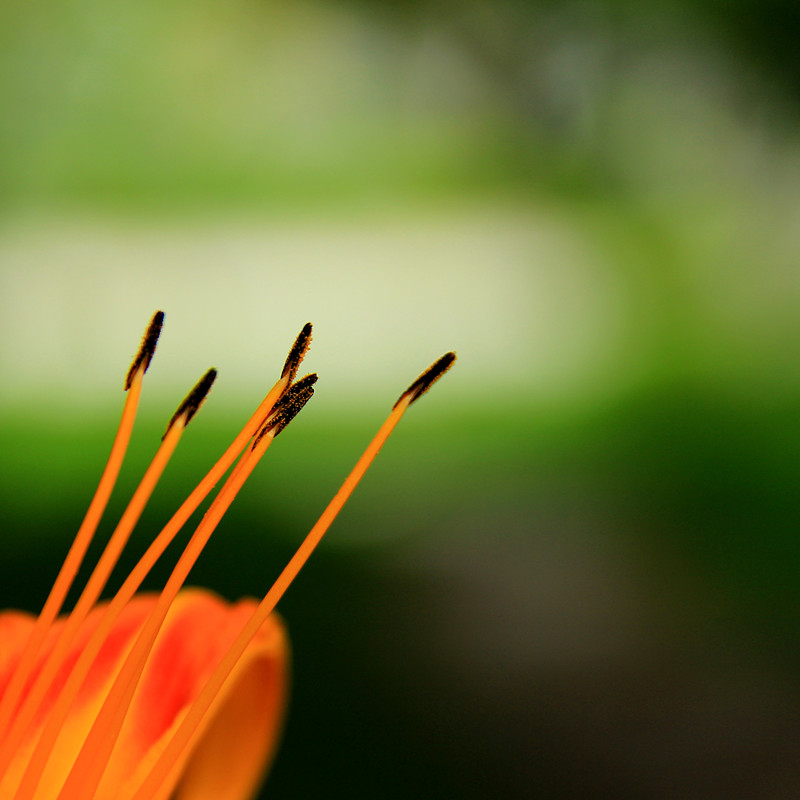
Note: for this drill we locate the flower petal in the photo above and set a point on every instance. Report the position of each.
(15, 628)
(228, 754)
(89, 699)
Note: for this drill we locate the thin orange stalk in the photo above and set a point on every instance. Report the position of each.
(77, 552)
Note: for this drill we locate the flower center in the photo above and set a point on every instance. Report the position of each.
(26, 689)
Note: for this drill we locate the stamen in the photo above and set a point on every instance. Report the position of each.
(288, 407)
(92, 590)
(147, 348)
(297, 353)
(77, 552)
(87, 771)
(161, 770)
(427, 379)
(192, 402)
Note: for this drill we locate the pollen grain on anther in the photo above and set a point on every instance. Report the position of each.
(292, 410)
(192, 402)
(427, 379)
(297, 353)
(288, 407)
(147, 348)
(298, 386)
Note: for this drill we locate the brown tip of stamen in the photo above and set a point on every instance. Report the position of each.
(192, 402)
(297, 388)
(288, 407)
(291, 411)
(427, 379)
(146, 349)
(297, 353)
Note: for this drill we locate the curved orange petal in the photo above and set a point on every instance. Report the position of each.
(227, 756)
(91, 695)
(15, 628)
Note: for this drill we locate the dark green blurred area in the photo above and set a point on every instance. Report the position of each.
(574, 571)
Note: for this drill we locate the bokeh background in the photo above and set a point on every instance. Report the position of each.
(575, 569)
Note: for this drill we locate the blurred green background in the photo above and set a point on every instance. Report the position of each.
(575, 569)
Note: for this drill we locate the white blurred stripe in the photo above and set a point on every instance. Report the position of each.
(522, 300)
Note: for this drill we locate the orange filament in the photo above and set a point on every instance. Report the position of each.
(76, 554)
(72, 562)
(162, 768)
(90, 764)
(67, 695)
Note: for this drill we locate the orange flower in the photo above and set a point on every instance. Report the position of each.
(177, 694)
(239, 734)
